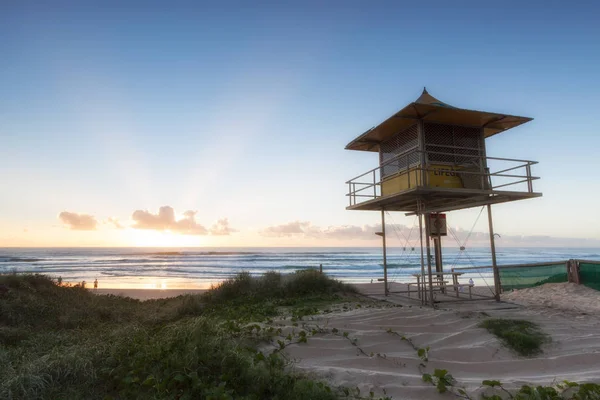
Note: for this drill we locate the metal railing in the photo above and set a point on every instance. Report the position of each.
(414, 166)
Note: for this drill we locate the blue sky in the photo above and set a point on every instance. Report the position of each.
(242, 111)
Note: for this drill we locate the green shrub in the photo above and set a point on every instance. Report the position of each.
(67, 342)
(312, 281)
(524, 337)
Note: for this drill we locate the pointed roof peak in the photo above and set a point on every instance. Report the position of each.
(429, 109)
(426, 98)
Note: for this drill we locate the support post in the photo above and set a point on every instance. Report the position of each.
(493, 249)
(437, 247)
(422, 281)
(428, 244)
(421, 174)
(385, 280)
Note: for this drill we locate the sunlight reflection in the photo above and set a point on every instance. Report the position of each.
(150, 238)
(151, 283)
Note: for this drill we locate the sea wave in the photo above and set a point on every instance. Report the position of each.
(212, 265)
(195, 253)
(402, 265)
(122, 260)
(20, 259)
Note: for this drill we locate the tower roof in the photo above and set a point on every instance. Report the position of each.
(430, 109)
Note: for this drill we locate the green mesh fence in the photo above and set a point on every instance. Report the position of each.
(524, 277)
(589, 274)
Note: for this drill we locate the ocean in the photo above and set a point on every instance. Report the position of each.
(202, 267)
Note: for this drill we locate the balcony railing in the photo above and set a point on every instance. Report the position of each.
(413, 167)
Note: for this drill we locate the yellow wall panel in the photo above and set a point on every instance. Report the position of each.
(439, 175)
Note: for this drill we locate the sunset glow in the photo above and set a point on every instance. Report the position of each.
(140, 238)
(209, 128)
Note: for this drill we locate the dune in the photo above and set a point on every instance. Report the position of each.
(373, 357)
(363, 349)
(560, 296)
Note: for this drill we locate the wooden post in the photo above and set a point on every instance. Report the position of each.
(385, 280)
(437, 247)
(493, 248)
(573, 269)
(321, 268)
(428, 244)
(422, 175)
(422, 281)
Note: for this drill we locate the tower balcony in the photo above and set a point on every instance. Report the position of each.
(449, 178)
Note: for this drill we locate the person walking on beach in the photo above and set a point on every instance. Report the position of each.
(96, 284)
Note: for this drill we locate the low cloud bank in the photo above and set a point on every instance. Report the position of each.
(164, 220)
(398, 234)
(307, 230)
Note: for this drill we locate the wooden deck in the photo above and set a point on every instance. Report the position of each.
(398, 295)
(440, 199)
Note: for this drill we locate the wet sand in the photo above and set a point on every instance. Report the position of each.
(147, 294)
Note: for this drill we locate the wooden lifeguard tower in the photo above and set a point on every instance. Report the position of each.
(433, 159)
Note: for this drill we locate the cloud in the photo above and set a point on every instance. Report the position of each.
(165, 221)
(117, 224)
(350, 232)
(286, 230)
(402, 235)
(221, 228)
(307, 230)
(78, 222)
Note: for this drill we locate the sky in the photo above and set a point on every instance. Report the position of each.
(224, 124)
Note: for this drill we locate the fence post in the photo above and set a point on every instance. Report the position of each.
(350, 193)
(529, 182)
(570, 277)
(573, 271)
(374, 186)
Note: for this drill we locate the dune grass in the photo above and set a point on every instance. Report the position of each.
(65, 342)
(524, 337)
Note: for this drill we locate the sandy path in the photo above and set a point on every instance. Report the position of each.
(389, 366)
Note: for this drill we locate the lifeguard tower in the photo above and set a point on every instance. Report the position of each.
(433, 159)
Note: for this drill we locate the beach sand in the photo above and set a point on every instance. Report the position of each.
(560, 296)
(381, 362)
(147, 294)
(387, 365)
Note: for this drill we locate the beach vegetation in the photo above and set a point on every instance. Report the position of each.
(441, 379)
(565, 390)
(524, 337)
(61, 341)
(444, 382)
